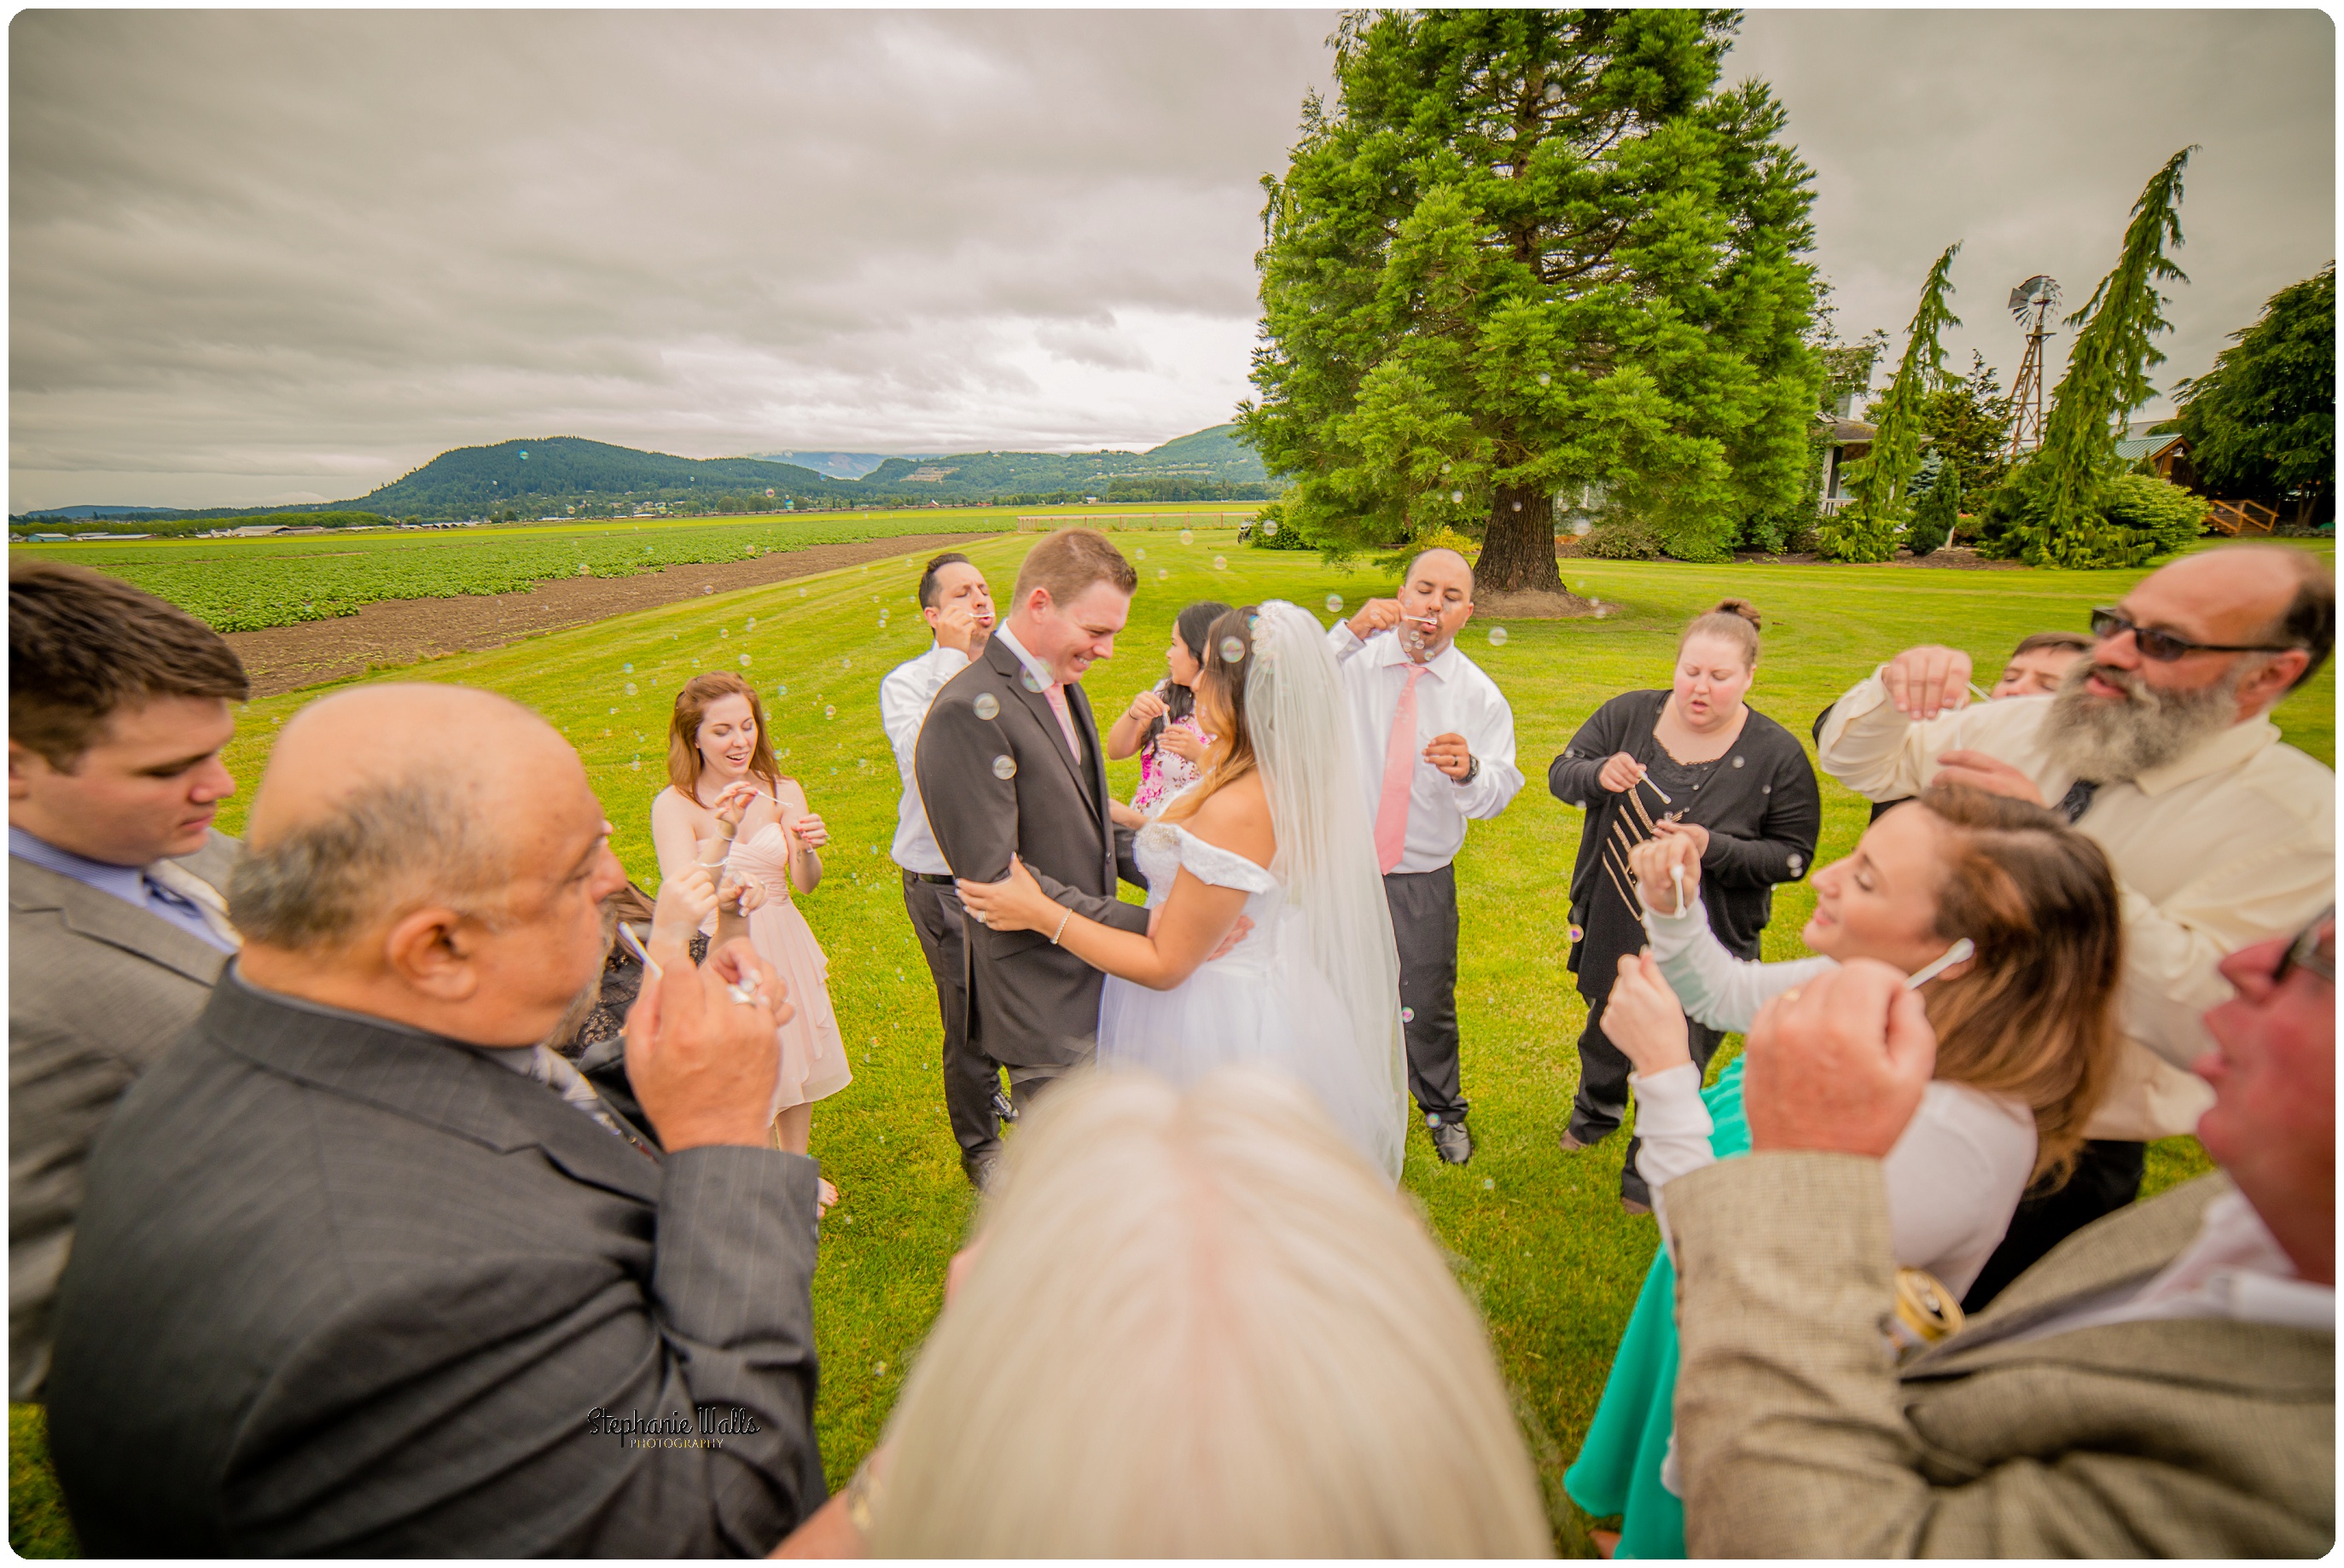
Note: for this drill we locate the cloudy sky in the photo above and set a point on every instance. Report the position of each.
(277, 255)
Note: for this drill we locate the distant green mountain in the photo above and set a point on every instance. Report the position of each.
(1208, 459)
(560, 471)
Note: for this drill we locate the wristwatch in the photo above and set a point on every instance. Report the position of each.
(1472, 770)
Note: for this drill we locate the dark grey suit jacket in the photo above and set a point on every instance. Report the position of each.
(97, 989)
(1030, 1004)
(344, 1288)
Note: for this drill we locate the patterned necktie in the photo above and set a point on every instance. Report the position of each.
(175, 884)
(558, 1074)
(1057, 695)
(2078, 800)
(1400, 774)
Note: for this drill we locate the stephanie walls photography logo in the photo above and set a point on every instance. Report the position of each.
(706, 1428)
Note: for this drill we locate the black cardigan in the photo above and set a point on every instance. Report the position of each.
(1761, 806)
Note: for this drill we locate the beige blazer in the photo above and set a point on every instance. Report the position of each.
(97, 990)
(1798, 1437)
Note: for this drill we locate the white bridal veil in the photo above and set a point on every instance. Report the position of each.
(1309, 765)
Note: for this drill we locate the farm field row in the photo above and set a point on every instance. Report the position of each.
(245, 584)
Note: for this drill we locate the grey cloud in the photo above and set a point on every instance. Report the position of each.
(258, 253)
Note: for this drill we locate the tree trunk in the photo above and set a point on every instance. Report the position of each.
(1518, 551)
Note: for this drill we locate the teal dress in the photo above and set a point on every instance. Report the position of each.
(1619, 1468)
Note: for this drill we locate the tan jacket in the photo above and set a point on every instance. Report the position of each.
(2232, 844)
(1797, 1436)
(97, 990)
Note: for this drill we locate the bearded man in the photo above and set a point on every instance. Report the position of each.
(2159, 745)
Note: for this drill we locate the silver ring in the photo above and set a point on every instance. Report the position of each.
(744, 995)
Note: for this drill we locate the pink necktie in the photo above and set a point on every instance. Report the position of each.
(1057, 695)
(1399, 772)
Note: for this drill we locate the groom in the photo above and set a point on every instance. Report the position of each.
(1009, 762)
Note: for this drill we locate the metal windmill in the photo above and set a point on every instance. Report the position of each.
(2031, 304)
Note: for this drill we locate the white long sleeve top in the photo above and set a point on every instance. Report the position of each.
(1953, 1178)
(904, 699)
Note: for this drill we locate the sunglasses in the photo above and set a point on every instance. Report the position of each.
(2303, 953)
(2163, 645)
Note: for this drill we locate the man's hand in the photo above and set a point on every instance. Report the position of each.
(1991, 774)
(703, 1063)
(1924, 682)
(1376, 615)
(1643, 1018)
(1146, 709)
(959, 628)
(1620, 773)
(1450, 754)
(1236, 934)
(1838, 1065)
(1654, 862)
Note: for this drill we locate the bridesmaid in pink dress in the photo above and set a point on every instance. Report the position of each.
(726, 790)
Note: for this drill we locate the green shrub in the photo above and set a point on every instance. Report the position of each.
(1623, 539)
(2155, 512)
(1934, 519)
(1854, 535)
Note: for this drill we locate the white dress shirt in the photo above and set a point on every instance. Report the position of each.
(903, 699)
(2235, 1270)
(2231, 844)
(1452, 698)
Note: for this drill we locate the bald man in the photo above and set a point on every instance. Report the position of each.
(2157, 744)
(365, 1269)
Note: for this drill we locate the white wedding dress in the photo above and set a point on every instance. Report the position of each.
(1313, 991)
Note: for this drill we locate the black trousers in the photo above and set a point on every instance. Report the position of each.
(1424, 925)
(2106, 1177)
(1601, 1103)
(971, 1078)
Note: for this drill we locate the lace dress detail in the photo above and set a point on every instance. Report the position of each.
(1262, 1004)
(813, 1056)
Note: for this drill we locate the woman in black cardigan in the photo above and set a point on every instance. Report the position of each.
(1697, 760)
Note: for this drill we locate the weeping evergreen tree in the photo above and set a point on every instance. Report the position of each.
(1935, 517)
(1866, 530)
(1529, 252)
(2061, 494)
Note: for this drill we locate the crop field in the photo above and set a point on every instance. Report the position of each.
(244, 584)
(1536, 1235)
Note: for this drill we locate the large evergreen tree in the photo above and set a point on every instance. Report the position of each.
(2262, 422)
(2061, 492)
(1866, 530)
(1529, 252)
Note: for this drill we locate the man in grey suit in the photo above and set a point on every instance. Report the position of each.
(366, 1270)
(118, 711)
(1008, 762)
(2162, 1385)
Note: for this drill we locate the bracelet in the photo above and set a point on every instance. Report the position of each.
(1062, 927)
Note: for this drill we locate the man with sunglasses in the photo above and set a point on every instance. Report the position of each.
(2163, 1386)
(2157, 743)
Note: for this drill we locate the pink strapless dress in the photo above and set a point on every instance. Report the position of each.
(813, 1056)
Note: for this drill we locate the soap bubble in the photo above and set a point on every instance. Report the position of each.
(1139, 555)
(1545, 379)
(829, 711)
(724, 631)
(1407, 1015)
(635, 764)
(1005, 767)
(1446, 467)
(1489, 1184)
(1518, 506)
(847, 664)
(744, 661)
(1031, 681)
(802, 593)
(1232, 650)
(1188, 538)
(626, 670)
(1497, 636)
(707, 588)
(695, 664)
(1269, 530)
(752, 626)
(1161, 574)
(614, 710)
(780, 691)
(1737, 762)
(1220, 563)
(1458, 497)
(1576, 934)
(1583, 527)
(988, 706)
(1334, 604)
(1796, 863)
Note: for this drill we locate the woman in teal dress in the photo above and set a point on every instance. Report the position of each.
(2027, 1045)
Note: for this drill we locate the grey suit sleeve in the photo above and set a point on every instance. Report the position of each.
(1790, 1419)
(614, 1416)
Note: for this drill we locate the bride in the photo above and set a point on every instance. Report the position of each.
(1276, 831)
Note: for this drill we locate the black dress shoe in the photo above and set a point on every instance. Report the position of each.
(1453, 1142)
(1002, 1107)
(980, 1171)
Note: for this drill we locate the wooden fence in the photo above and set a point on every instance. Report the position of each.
(1123, 522)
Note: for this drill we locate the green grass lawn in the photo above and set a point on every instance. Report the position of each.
(1537, 1235)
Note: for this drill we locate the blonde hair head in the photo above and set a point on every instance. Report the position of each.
(1201, 1325)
